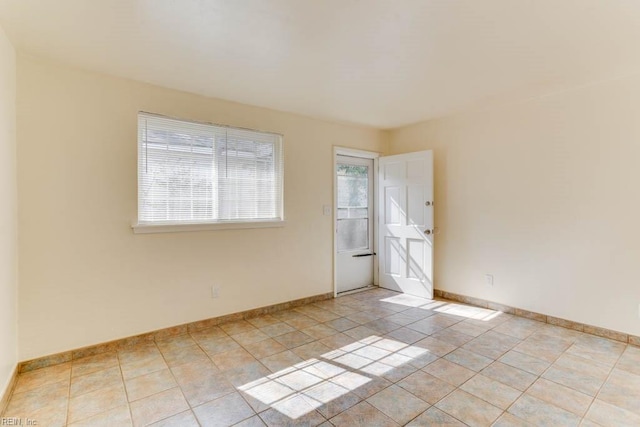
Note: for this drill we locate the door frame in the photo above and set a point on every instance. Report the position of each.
(344, 151)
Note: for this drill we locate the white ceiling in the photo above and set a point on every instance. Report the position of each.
(383, 63)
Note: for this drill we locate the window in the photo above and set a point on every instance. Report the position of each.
(197, 173)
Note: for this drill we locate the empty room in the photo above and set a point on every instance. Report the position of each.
(319, 213)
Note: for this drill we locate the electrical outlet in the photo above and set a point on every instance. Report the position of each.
(488, 279)
(214, 291)
(326, 210)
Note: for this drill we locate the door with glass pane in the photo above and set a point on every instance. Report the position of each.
(354, 224)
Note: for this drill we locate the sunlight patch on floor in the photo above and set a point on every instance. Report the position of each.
(301, 388)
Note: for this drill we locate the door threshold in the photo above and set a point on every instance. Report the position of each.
(355, 291)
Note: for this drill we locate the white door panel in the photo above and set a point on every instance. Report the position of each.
(406, 216)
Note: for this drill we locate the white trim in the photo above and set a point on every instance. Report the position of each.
(344, 151)
(177, 228)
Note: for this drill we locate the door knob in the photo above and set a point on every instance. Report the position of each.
(427, 231)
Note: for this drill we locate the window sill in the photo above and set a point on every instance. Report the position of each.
(179, 228)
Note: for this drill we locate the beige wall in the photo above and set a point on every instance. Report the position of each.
(8, 214)
(544, 195)
(86, 278)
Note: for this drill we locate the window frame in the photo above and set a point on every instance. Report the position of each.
(171, 226)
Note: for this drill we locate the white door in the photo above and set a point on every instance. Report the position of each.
(406, 223)
(354, 223)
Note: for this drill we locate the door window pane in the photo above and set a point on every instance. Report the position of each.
(353, 207)
(353, 234)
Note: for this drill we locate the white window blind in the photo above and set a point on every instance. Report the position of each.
(194, 173)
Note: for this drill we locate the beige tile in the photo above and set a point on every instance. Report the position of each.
(382, 326)
(95, 381)
(330, 399)
(138, 353)
(450, 372)
(608, 415)
(183, 419)
(250, 337)
(301, 322)
(435, 346)
(254, 421)
(312, 350)
(434, 417)
(116, 417)
(584, 366)
(630, 360)
(468, 359)
(598, 349)
(53, 414)
(246, 374)
(321, 315)
(181, 355)
(426, 387)
(513, 377)
(560, 396)
(319, 331)
(93, 403)
(468, 328)
(492, 391)
(491, 344)
(542, 413)
(265, 348)
(192, 371)
(292, 411)
(158, 407)
(293, 339)
(208, 334)
(262, 321)
(342, 324)
(175, 343)
(146, 385)
(469, 409)
(361, 332)
(35, 399)
(406, 335)
(576, 380)
(233, 359)
(452, 336)
(622, 389)
(527, 363)
(277, 329)
(227, 410)
(337, 341)
(239, 327)
(218, 345)
(519, 327)
(398, 404)
(143, 366)
(34, 379)
(44, 362)
(200, 384)
(363, 415)
(510, 420)
(90, 364)
(544, 346)
(361, 317)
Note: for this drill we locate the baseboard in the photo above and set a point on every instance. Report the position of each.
(569, 324)
(68, 356)
(8, 392)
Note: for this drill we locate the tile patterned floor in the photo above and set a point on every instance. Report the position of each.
(375, 358)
